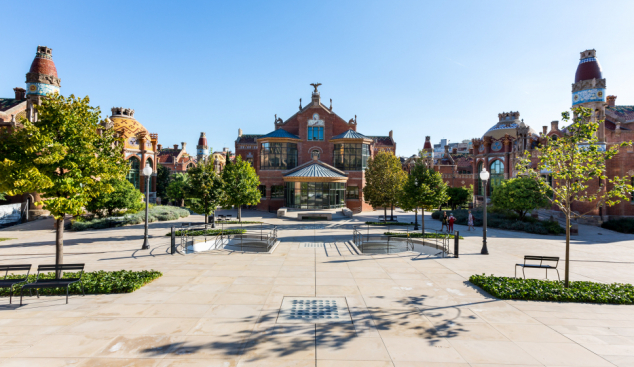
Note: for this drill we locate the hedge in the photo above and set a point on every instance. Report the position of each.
(236, 222)
(623, 225)
(388, 224)
(95, 282)
(420, 235)
(209, 232)
(505, 220)
(157, 213)
(554, 290)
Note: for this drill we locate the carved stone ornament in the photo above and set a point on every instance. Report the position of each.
(43, 78)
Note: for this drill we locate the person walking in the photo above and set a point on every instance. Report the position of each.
(443, 220)
(451, 220)
(470, 222)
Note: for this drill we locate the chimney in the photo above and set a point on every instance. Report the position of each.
(184, 145)
(239, 133)
(446, 148)
(545, 128)
(454, 150)
(175, 146)
(611, 100)
(554, 125)
(20, 94)
(391, 135)
(159, 146)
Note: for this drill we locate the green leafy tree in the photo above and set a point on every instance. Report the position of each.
(577, 164)
(123, 197)
(520, 194)
(424, 189)
(68, 156)
(241, 184)
(384, 179)
(162, 180)
(176, 188)
(205, 189)
(457, 196)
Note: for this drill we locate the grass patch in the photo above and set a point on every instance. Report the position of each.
(95, 282)
(623, 225)
(388, 224)
(553, 290)
(421, 235)
(210, 232)
(504, 219)
(6, 239)
(157, 213)
(236, 222)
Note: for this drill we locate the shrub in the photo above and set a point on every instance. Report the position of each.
(95, 282)
(156, 213)
(420, 235)
(505, 219)
(388, 224)
(623, 225)
(551, 290)
(209, 232)
(124, 196)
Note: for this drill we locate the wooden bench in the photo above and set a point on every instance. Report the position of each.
(541, 264)
(384, 219)
(58, 282)
(9, 283)
(327, 216)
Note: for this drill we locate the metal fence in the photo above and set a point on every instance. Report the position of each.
(399, 239)
(253, 238)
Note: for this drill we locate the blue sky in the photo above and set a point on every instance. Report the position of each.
(444, 69)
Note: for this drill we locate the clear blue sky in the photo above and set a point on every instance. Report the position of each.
(441, 68)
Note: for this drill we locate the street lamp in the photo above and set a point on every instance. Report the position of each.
(484, 176)
(416, 212)
(147, 172)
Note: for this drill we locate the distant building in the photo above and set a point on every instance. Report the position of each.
(175, 159)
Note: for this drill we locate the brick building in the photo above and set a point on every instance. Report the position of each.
(313, 160)
(175, 159)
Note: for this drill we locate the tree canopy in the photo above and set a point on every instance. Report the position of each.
(241, 184)
(457, 196)
(423, 188)
(124, 196)
(576, 162)
(384, 179)
(176, 188)
(520, 194)
(162, 180)
(67, 155)
(205, 189)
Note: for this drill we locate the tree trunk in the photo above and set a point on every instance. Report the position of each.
(392, 213)
(239, 213)
(422, 220)
(384, 213)
(567, 271)
(59, 243)
(206, 218)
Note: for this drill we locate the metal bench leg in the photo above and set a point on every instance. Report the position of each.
(558, 275)
(11, 294)
(67, 294)
(523, 273)
(37, 292)
(515, 271)
(82, 288)
(21, 293)
(547, 273)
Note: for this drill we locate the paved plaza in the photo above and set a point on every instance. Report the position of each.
(404, 310)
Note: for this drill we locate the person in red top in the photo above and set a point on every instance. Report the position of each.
(451, 220)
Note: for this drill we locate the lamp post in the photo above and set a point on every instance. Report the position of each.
(484, 176)
(147, 172)
(416, 211)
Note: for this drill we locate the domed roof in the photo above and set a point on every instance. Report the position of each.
(203, 139)
(589, 67)
(507, 124)
(129, 128)
(43, 62)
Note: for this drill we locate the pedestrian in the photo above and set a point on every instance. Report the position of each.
(470, 222)
(444, 221)
(451, 220)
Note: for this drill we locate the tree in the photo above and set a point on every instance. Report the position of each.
(384, 178)
(205, 189)
(241, 184)
(576, 163)
(520, 194)
(176, 189)
(162, 180)
(424, 188)
(67, 155)
(457, 196)
(123, 196)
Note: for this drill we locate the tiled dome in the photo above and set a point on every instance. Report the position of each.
(589, 67)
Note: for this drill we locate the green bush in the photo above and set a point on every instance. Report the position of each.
(388, 223)
(156, 213)
(236, 222)
(623, 225)
(420, 235)
(209, 232)
(553, 290)
(95, 282)
(124, 197)
(504, 219)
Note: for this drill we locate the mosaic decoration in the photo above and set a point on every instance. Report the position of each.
(314, 310)
(481, 149)
(503, 126)
(587, 59)
(315, 121)
(40, 89)
(133, 141)
(496, 146)
(588, 95)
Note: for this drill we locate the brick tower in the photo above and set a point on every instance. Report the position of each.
(202, 150)
(588, 89)
(40, 80)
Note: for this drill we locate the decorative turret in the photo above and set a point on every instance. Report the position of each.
(41, 79)
(589, 88)
(202, 150)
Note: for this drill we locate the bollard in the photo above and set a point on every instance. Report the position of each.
(173, 244)
(456, 243)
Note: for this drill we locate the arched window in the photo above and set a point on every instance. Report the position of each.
(480, 183)
(497, 174)
(133, 174)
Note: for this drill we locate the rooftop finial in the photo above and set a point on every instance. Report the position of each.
(315, 85)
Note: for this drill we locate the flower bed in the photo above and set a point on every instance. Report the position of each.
(505, 220)
(95, 282)
(554, 290)
(158, 213)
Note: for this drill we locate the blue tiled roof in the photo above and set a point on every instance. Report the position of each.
(315, 170)
(279, 133)
(350, 134)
